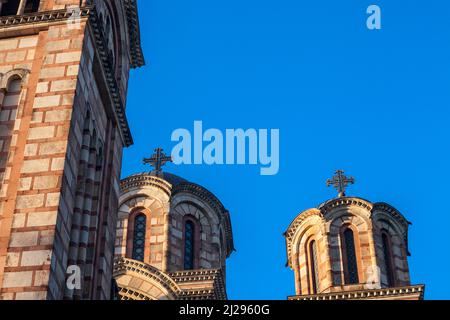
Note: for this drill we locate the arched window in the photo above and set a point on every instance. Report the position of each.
(140, 225)
(388, 259)
(189, 245)
(313, 267)
(349, 257)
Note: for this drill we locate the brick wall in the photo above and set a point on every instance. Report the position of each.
(59, 173)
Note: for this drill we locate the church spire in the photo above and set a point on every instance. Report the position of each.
(340, 182)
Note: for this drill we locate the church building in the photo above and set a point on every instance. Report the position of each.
(71, 229)
(350, 248)
(64, 68)
(173, 238)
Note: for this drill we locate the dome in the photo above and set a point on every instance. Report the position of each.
(173, 179)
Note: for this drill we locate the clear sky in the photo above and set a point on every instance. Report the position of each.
(374, 103)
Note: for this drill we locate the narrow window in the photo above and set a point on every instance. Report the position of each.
(388, 260)
(32, 6)
(9, 8)
(189, 254)
(8, 108)
(140, 224)
(350, 261)
(314, 267)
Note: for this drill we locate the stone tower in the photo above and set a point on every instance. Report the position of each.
(173, 239)
(350, 248)
(64, 67)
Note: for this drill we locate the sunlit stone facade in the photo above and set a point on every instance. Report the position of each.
(63, 84)
(350, 248)
(173, 239)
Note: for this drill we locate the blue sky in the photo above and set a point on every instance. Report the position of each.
(374, 103)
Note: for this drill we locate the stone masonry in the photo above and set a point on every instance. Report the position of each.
(62, 131)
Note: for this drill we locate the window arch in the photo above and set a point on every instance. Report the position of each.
(140, 225)
(388, 258)
(313, 266)
(189, 245)
(349, 257)
(14, 85)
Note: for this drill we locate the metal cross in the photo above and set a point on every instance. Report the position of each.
(158, 160)
(340, 182)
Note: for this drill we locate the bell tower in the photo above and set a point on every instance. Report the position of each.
(173, 238)
(350, 248)
(64, 67)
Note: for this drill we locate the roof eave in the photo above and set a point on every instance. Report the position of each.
(137, 55)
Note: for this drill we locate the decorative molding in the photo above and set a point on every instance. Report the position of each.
(43, 16)
(345, 202)
(195, 275)
(384, 293)
(111, 81)
(124, 265)
(129, 294)
(145, 180)
(137, 56)
(170, 281)
(215, 275)
(384, 207)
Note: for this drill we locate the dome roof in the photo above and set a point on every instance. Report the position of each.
(173, 179)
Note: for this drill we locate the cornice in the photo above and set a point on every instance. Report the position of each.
(145, 180)
(345, 202)
(130, 294)
(195, 275)
(53, 16)
(198, 295)
(384, 207)
(215, 275)
(137, 56)
(170, 281)
(124, 265)
(384, 293)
